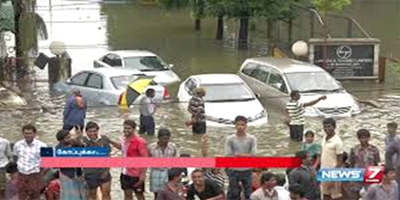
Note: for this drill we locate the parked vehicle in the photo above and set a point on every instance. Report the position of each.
(104, 86)
(227, 96)
(147, 62)
(274, 79)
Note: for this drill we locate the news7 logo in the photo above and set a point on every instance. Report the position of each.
(367, 175)
(373, 174)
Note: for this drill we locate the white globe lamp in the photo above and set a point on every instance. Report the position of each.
(57, 48)
(300, 48)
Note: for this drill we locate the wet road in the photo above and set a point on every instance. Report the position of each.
(90, 29)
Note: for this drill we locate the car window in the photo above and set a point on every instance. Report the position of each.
(261, 74)
(117, 61)
(79, 79)
(95, 81)
(249, 68)
(108, 59)
(276, 81)
(190, 85)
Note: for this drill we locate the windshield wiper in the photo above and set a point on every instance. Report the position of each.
(315, 90)
(149, 70)
(322, 90)
(230, 100)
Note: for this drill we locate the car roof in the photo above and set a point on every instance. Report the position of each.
(217, 78)
(112, 72)
(133, 53)
(287, 65)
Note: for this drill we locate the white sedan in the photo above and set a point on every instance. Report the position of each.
(227, 96)
(105, 86)
(146, 62)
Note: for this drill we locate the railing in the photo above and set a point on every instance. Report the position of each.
(308, 23)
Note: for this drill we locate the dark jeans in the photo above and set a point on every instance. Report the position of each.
(67, 127)
(147, 125)
(296, 132)
(199, 127)
(245, 177)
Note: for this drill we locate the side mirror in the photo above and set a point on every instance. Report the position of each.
(257, 95)
(171, 66)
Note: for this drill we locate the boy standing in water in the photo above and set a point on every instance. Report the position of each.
(313, 148)
(390, 138)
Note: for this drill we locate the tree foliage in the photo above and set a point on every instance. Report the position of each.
(325, 6)
(174, 4)
(268, 9)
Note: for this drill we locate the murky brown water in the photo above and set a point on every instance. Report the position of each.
(90, 29)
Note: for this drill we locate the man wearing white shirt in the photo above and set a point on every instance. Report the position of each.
(27, 153)
(283, 194)
(5, 157)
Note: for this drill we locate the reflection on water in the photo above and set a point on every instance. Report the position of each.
(88, 33)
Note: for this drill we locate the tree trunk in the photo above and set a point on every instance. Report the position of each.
(25, 37)
(220, 28)
(243, 33)
(197, 24)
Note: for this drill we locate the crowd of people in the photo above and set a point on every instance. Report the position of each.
(22, 177)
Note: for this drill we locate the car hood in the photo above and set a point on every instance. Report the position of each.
(163, 77)
(342, 99)
(229, 110)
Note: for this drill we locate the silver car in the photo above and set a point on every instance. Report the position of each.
(105, 86)
(274, 79)
(146, 62)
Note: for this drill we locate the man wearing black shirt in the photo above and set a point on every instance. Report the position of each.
(204, 189)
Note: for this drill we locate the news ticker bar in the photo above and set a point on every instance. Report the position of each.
(141, 162)
(74, 152)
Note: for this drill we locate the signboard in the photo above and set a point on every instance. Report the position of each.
(347, 59)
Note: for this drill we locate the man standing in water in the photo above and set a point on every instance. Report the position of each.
(147, 109)
(5, 158)
(132, 145)
(162, 148)
(27, 153)
(196, 108)
(240, 144)
(74, 111)
(295, 111)
(331, 157)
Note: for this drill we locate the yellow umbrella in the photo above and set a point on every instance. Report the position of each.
(134, 90)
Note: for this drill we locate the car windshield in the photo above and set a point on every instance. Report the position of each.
(121, 82)
(312, 82)
(227, 92)
(146, 63)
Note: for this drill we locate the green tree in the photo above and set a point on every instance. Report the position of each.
(197, 7)
(217, 9)
(244, 9)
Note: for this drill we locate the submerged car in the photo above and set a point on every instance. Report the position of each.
(146, 62)
(274, 79)
(106, 86)
(227, 96)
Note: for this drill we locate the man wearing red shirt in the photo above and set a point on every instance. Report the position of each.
(132, 145)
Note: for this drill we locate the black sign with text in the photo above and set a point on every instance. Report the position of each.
(346, 60)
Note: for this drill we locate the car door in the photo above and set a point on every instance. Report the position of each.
(279, 89)
(78, 81)
(94, 88)
(261, 75)
(247, 74)
(186, 92)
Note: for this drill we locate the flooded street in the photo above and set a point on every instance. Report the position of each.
(90, 29)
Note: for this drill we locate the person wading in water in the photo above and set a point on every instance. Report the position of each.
(295, 111)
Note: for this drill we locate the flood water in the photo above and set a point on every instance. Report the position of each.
(89, 29)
